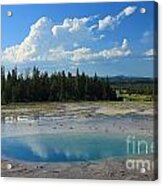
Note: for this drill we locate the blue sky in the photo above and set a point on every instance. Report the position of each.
(107, 38)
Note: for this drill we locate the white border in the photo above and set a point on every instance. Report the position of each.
(62, 182)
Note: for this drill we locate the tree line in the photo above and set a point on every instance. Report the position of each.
(40, 86)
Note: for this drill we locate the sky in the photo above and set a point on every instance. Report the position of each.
(107, 38)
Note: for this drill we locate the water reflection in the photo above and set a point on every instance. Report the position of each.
(68, 145)
(61, 148)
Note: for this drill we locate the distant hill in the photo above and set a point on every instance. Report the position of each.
(133, 85)
(126, 80)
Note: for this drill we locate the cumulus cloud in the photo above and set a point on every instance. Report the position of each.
(45, 35)
(70, 40)
(73, 31)
(88, 55)
(84, 54)
(34, 46)
(110, 21)
(106, 22)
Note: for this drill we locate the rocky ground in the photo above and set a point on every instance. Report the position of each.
(14, 117)
(108, 169)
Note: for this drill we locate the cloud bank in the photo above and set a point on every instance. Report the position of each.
(70, 40)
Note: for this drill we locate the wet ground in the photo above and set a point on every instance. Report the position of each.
(76, 134)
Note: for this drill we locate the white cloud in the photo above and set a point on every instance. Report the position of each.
(110, 21)
(150, 53)
(81, 54)
(45, 35)
(71, 40)
(34, 46)
(73, 31)
(71, 25)
(121, 51)
(84, 54)
(129, 10)
(107, 21)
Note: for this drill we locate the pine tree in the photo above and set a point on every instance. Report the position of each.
(39, 86)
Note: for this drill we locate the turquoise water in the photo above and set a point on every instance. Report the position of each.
(63, 148)
(66, 146)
